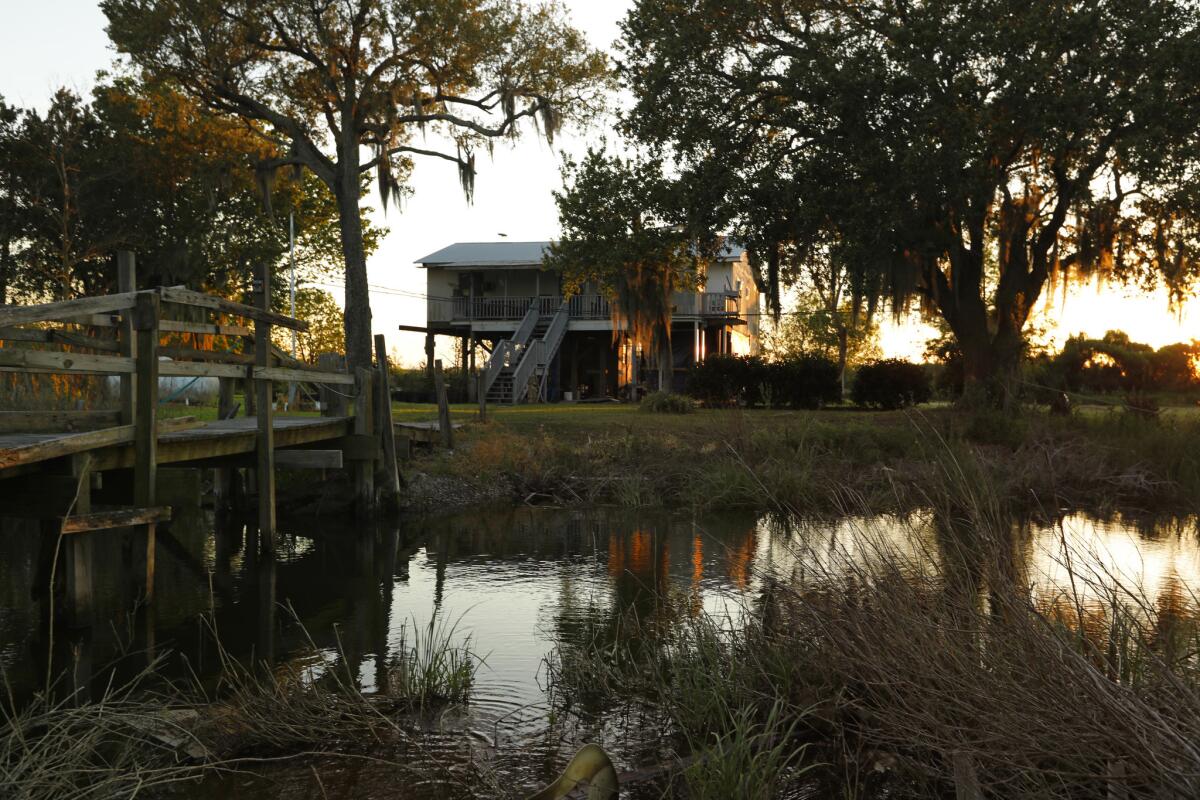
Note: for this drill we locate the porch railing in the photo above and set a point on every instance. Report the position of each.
(580, 307)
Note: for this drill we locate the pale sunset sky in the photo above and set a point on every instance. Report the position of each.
(54, 43)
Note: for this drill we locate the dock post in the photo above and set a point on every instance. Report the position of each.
(264, 391)
(223, 476)
(439, 386)
(127, 282)
(383, 412)
(429, 351)
(145, 407)
(77, 549)
(364, 470)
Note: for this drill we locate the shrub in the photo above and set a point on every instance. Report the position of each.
(665, 403)
(804, 382)
(720, 380)
(891, 383)
(799, 382)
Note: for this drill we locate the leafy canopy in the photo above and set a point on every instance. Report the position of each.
(347, 88)
(962, 153)
(623, 234)
(371, 73)
(145, 168)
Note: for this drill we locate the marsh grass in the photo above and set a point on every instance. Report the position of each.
(128, 741)
(433, 668)
(923, 664)
(815, 461)
(150, 734)
(308, 701)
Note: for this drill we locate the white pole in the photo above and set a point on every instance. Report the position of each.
(292, 293)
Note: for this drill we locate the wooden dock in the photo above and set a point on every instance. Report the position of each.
(87, 471)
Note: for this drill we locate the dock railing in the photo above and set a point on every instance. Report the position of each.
(139, 335)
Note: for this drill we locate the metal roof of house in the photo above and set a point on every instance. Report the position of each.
(514, 254)
(487, 254)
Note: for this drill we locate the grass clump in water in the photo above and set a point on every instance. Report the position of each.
(431, 668)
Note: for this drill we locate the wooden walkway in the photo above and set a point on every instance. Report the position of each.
(21, 453)
(51, 463)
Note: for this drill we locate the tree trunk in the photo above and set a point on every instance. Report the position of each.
(843, 336)
(990, 368)
(358, 301)
(666, 366)
(5, 269)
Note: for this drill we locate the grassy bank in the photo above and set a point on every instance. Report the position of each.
(814, 460)
(253, 727)
(888, 672)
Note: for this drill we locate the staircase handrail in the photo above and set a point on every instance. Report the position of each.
(507, 350)
(528, 323)
(541, 351)
(551, 341)
(555, 333)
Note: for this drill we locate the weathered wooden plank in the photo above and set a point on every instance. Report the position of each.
(47, 448)
(57, 421)
(46, 361)
(303, 375)
(191, 354)
(204, 328)
(95, 320)
(383, 408)
(107, 520)
(53, 336)
(65, 446)
(190, 298)
(47, 312)
(207, 441)
(309, 459)
(196, 369)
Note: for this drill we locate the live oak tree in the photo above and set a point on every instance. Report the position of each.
(352, 87)
(145, 168)
(326, 324)
(964, 154)
(624, 231)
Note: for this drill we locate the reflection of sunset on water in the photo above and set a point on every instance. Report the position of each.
(1163, 565)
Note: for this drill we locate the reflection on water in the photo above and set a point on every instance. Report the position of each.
(515, 580)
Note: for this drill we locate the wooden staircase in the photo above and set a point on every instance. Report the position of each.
(528, 359)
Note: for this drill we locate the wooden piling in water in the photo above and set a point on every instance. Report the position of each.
(264, 394)
(145, 442)
(364, 468)
(383, 411)
(223, 476)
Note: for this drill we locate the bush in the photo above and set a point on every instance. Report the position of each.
(891, 383)
(800, 382)
(721, 380)
(804, 382)
(665, 403)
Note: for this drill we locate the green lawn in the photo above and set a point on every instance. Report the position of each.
(603, 416)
